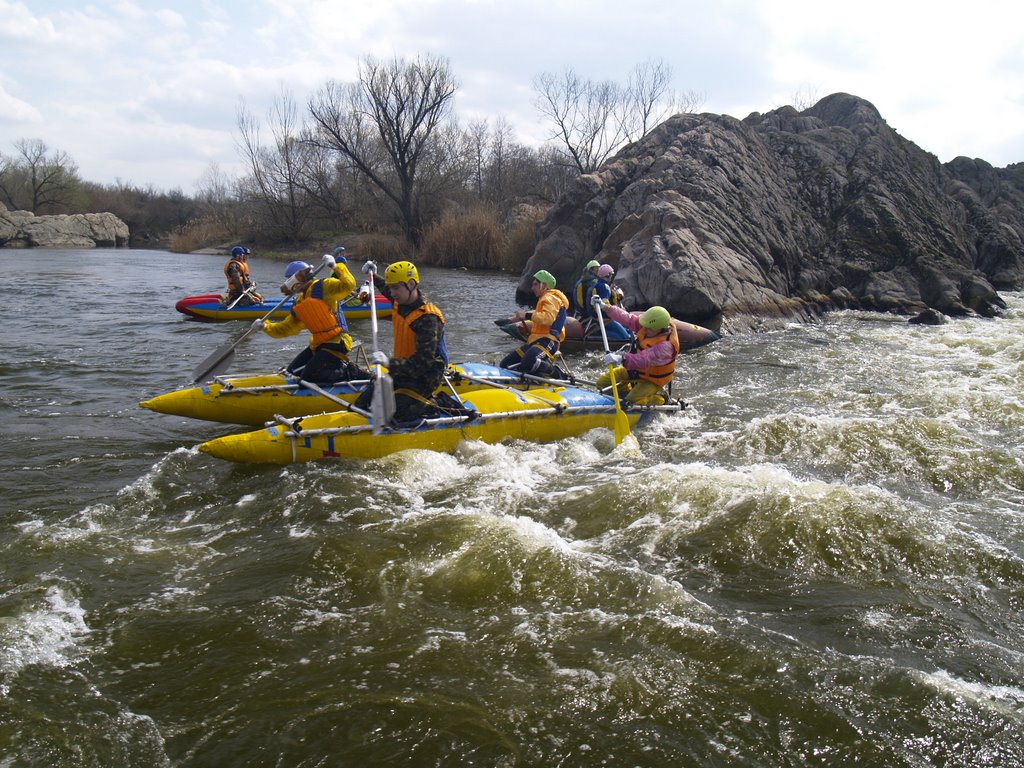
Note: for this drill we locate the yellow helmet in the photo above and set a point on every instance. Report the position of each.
(656, 319)
(401, 272)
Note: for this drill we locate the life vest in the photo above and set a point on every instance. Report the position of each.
(659, 375)
(555, 331)
(340, 314)
(614, 299)
(243, 273)
(316, 314)
(602, 288)
(581, 293)
(405, 337)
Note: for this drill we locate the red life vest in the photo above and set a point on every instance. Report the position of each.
(659, 375)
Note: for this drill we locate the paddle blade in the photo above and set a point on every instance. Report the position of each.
(217, 363)
(621, 426)
(382, 407)
(621, 422)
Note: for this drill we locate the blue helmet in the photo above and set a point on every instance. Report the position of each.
(339, 254)
(239, 251)
(295, 266)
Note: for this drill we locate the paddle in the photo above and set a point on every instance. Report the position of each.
(218, 361)
(557, 407)
(324, 393)
(382, 407)
(247, 292)
(621, 422)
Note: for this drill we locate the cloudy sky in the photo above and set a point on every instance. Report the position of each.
(148, 93)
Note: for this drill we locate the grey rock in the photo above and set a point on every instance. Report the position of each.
(929, 317)
(23, 229)
(738, 223)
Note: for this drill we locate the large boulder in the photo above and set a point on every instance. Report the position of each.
(22, 229)
(788, 214)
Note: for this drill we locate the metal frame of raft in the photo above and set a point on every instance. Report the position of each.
(294, 431)
(227, 388)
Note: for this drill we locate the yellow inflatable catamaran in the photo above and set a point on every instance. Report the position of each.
(306, 422)
(540, 414)
(255, 400)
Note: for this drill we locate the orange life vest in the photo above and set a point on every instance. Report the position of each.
(556, 330)
(659, 375)
(243, 273)
(404, 336)
(316, 314)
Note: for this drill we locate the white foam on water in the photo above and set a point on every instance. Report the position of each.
(1004, 700)
(477, 476)
(50, 633)
(144, 489)
(86, 524)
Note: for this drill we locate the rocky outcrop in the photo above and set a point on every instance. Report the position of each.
(22, 229)
(788, 214)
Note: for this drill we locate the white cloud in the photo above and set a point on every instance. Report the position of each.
(149, 94)
(15, 112)
(18, 23)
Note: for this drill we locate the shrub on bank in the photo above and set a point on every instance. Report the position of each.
(196, 234)
(382, 249)
(517, 245)
(477, 239)
(468, 239)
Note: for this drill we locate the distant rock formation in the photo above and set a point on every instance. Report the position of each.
(23, 229)
(788, 214)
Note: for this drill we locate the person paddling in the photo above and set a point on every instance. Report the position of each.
(647, 371)
(536, 356)
(315, 309)
(420, 353)
(609, 295)
(241, 287)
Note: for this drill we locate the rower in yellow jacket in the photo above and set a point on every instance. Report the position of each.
(315, 309)
(536, 356)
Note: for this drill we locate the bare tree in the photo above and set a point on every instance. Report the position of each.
(478, 137)
(387, 124)
(9, 182)
(584, 115)
(219, 199)
(592, 120)
(805, 97)
(279, 173)
(36, 180)
(644, 105)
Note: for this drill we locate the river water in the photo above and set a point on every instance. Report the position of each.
(820, 562)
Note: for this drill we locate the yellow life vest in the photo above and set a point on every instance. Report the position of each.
(554, 301)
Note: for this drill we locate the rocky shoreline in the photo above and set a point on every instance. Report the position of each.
(23, 229)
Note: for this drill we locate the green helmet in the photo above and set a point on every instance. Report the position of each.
(543, 276)
(656, 319)
(592, 264)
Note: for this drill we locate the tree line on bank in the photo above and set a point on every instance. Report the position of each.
(382, 161)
